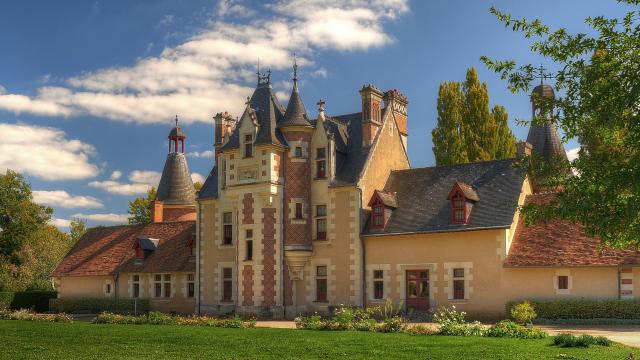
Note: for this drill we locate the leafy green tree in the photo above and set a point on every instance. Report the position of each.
(598, 80)
(77, 228)
(448, 141)
(505, 146)
(20, 217)
(467, 130)
(140, 208)
(480, 128)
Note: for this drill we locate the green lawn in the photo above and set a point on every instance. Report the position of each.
(39, 340)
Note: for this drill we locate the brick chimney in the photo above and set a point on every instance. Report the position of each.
(398, 103)
(157, 211)
(224, 124)
(523, 148)
(371, 113)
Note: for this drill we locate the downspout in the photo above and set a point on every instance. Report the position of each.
(237, 261)
(619, 280)
(282, 215)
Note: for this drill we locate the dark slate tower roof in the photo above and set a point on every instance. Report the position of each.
(175, 186)
(296, 114)
(544, 139)
(269, 112)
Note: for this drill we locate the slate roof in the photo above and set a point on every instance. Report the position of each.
(269, 112)
(210, 187)
(296, 114)
(388, 199)
(148, 243)
(109, 250)
(468, 191)
(350, 155)
(562, 243)
(176, 132)
(422, 197)
(544, 90)
(175, 185)
(545, 141)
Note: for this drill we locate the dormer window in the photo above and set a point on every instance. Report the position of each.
(462, 197)
(143, 247)
(248, 145)
(298, 152)
(382, 205)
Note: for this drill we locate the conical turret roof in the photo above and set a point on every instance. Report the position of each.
(175, 185)
(296, 114)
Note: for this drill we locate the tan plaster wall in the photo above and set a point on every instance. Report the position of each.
(83, 286)
(387, 154)
(490, 286)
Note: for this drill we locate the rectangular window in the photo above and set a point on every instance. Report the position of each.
(157, 285)
(249, 250)
(321, 283)
(248, 146)
(378, 216)
(298, 210)
(563, 282)
(136, 286)
(227, 284)
(227, 221)
(321, 168)
(191, 285)
(108, 289)
(378, 284)
(321, 222)
(458, 284)
(167, 285)
(298, 152)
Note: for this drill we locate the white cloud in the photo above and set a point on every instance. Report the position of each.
(107, 218)
(61, 198)
(208, 154)
(208, 73)
(44, 152)
(60, 223)
(140, 182)
(196, 177)
(228, 8)
(117, 174)
(321, 72)
(572, 154)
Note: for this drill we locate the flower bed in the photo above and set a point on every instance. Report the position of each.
(28, 315)
(158, 318)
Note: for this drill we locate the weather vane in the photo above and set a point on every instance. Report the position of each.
(540, 73)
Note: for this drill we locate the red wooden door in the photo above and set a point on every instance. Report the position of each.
(418, 290)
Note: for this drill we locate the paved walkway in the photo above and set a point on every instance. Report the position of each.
(624, 334)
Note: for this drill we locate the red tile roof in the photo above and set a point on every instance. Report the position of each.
(110, 250)
(562, 243)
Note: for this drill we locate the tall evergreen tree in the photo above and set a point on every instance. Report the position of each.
(505, 141)
(448, 142)
(480, 128)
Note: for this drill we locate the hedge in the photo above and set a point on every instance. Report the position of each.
(97, 305)
(584, 309)
(34, 300)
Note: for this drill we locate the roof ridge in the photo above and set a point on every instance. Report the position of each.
(455, 165)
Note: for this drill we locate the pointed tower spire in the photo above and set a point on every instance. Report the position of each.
(296, 114)
(176, 186)
(544, 138)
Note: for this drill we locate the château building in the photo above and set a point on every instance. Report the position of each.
(301, 215)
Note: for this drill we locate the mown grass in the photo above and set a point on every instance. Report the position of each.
(38, 340)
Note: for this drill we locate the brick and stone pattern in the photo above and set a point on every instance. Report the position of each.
(288, 285)
(187, 213)
(247, 209)
(247, 285)
(297, 186)
(269, 256)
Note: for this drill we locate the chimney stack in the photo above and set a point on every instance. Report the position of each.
(524, 149)
(371, 113)
(157, 211)
(224, 124)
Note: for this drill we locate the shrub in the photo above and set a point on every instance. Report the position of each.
(453, 323)
(523, 313)
(37, 301)
(507, 328)
(158, 318)
(97, 305)
(6, 297)
(28, 315)
(313, 322)
(584, 309)
(421, 330)
(392, 324)
(568, 340)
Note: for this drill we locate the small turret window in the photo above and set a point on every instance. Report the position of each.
(321, 165)
(298, 152)
(248, 145)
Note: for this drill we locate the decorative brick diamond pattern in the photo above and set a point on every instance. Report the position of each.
(297, 185)
(247, 285)
(247, 209)
(269, 257)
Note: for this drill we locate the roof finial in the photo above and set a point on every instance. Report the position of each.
(320, 104)
(295, 69)
(258, 72)
(176, 120)
(540, 73)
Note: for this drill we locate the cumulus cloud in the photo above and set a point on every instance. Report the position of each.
(207, 154)
(209, 72)
(104, 218)
(117, 174)
(196, 177)
(227, 8)
(63, 199)
(140, 182)
(45, 152)
(572, 154)
(60, 223)
(321, 72)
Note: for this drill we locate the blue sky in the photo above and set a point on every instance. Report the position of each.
(88, 89)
